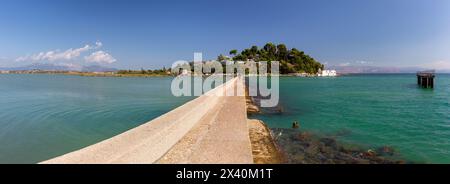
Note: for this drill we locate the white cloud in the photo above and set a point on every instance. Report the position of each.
(100, 57)
(98, 44)
(56, 55)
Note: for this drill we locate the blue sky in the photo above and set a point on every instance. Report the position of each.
(152, 34)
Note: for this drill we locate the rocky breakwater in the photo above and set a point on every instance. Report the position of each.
(264, 148)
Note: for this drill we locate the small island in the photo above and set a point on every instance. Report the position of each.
(292, 61)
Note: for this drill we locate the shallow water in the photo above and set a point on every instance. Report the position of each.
(371, 111)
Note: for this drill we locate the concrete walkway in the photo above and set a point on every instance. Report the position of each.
(220, 137)
(209, 129)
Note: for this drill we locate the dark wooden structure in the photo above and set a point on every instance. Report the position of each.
(425, 79)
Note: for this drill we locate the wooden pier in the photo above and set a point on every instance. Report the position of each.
(425, 79)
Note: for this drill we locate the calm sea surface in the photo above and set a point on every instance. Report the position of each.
(42, 116)
(371, 111)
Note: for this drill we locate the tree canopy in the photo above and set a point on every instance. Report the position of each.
(162, 71)
(291, 60)
(233, 52)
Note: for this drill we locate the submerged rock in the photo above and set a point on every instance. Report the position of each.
(343, 132)
(304, 136)
(369, 153)
(330, 142)
(306, 148)
(386, 150)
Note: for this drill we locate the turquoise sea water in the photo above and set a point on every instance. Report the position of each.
(43, 116)
(371, 111)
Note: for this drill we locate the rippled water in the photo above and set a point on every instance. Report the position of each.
(371, 111)
(42, 116)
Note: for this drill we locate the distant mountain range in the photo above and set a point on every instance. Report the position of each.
(376, 69)
(54, 67)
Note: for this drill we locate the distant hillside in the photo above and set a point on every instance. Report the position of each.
(374, 69)
(53, 67)
(97, 68)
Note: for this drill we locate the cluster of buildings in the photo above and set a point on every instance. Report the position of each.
(321, 73)
(327, 73)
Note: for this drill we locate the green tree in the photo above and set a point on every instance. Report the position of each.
(233, 52)
(282, 52)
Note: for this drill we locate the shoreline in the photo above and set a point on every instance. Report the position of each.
(264, 148)
(95, 75)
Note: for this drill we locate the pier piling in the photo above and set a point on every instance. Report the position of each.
(425, 79)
